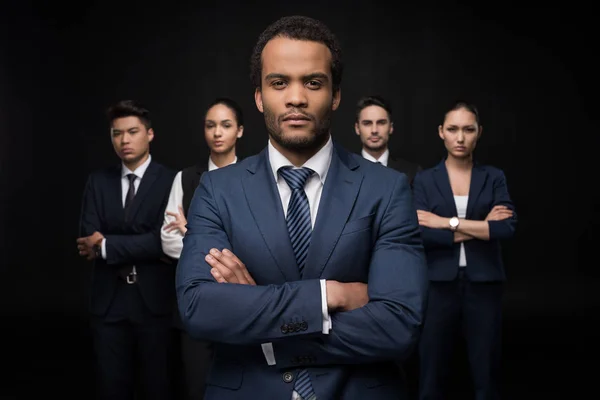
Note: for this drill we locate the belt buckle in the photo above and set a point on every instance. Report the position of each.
(131, 278)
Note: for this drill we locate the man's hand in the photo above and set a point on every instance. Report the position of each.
(498, 213)
(431, 220)
(227, 268)
(86, 244)
(179, 223)
(346, 296)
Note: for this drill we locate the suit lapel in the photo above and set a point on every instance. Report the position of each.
(478, 178)
(264, 201)
(442, 181)
(145, 185)
(337, 200)
(115, 193)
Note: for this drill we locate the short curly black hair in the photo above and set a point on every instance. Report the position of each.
(299, 28)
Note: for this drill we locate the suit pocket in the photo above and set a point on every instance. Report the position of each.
(226, 375)
(359, 224)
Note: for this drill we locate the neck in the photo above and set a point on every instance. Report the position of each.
(299, 157)
(133, 165)
(223, 159)
(465, 163)
(375, 153)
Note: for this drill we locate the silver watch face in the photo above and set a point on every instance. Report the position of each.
(454, 222)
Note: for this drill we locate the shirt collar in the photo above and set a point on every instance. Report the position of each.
(383, 159)
(139, 171)
(212, 165)
(319, 162)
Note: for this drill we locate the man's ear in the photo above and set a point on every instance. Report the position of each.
(337, 98)
(258, 99)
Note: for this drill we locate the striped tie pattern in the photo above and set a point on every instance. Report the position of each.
(300, 229)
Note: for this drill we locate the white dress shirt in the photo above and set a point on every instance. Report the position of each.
(139, 174)
(383, 159)
(313, 188)
(172, 242)
(461, 208)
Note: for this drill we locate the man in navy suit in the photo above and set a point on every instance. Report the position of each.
(133, 288)
(303, 264)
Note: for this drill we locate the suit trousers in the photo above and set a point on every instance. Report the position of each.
(475, 310)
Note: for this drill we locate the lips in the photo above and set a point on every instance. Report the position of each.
(296, 117)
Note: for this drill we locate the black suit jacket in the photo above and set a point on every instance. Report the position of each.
(432, 192)
(132, 242)
(405, 166)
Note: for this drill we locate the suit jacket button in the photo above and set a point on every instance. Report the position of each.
(284, 328)
(288, 377)
(303, 325)
(297, 326)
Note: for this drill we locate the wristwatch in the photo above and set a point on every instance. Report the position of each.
(454, 221)
(98, 251)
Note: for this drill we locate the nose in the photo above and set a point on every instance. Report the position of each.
(218, 132)
(125, 138)
(461, 137)
(296, 95)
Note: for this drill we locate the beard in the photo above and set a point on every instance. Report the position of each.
(376, 147)
(298, 143)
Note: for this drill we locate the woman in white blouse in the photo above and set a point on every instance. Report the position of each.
(223, 126)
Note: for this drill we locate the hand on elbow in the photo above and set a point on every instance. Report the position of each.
(346, 296)
(498, 213)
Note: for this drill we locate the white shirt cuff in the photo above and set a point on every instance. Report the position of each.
(267, 349)
(103, 248)
(326, 318)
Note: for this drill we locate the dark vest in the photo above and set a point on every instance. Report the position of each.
(190, 179)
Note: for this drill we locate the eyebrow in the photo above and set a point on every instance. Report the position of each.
(379, 120)
(214, 122)
(308, 77)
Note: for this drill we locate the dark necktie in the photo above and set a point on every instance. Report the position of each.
(127, 270)
(300, 229)
(130, 193)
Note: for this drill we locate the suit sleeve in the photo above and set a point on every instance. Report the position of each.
(89, 221)
(431, 237)
(388, 327)
(233, 313)
(505, 228)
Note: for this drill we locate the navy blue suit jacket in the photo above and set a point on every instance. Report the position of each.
(132, 242)
(432, 192)
(366, 231)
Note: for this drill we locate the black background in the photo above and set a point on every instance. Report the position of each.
(528, 68)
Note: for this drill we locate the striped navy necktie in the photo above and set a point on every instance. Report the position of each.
(300, 229)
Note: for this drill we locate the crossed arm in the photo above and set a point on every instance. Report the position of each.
(219, 301)
(115, 248)
(499, 222)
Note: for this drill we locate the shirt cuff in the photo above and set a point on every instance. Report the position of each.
(267, 349)
(103, 247)
(326, 318)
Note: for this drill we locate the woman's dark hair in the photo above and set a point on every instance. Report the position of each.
(457, 105)
(232, 105)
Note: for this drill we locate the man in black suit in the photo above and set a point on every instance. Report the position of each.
(374, 125)
(133, 286)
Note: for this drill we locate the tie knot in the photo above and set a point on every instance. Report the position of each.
(131, 178)
(295, 177)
